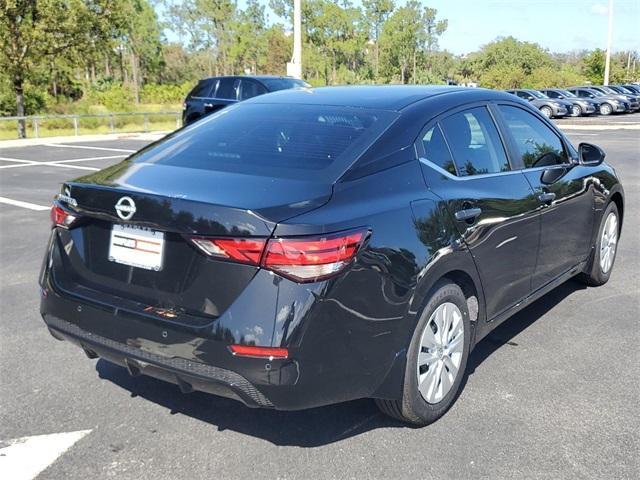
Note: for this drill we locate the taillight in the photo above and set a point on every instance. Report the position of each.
(302, 259)
(61, 218)
(312, 258)
(259, 352)
(241, 250)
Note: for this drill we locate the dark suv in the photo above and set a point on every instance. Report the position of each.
(211, 94)
(309, 247)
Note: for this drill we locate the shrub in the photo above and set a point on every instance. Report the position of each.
(35, 101)
(154, 93)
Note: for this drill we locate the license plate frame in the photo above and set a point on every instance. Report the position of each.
(136, 246)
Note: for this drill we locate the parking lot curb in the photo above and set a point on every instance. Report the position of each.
(568, 126)
(24, 142)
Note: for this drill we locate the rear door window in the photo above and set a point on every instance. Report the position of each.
(277, 140)
(475, 142)
(227, 88)
(536, 143)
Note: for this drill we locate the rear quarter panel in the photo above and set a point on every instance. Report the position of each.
(367, 315)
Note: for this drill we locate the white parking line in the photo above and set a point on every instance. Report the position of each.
(25, 458)
(58, 163)
(57, 145)
(16, 160)
(18, 203)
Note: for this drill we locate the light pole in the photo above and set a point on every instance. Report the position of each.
(294, 67)
(607, 60)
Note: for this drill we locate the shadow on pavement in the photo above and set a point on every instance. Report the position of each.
(318, 426)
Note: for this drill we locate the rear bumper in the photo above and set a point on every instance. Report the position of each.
(333, 356)
(188, 376)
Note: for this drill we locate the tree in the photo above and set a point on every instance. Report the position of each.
(32, 32)
(409, 32)
(207, 26)
(593, 66)
(376, 13)
(278, 52)
(508, 51)
(248, 48)
(334, 31)
(143, 37)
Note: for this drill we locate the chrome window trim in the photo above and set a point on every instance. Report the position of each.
(466, 177)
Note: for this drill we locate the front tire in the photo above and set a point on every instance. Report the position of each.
(606, 109)
(605, 250)
(546, 111)
(576, 111)
(436, 359)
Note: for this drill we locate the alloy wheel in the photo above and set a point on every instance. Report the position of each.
(576, 111)
(440, 355)
(605, 109)
(608, 242)
(546, 111)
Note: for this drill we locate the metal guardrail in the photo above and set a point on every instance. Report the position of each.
(36, 120)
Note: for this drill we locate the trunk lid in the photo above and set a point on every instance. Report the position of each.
(190, 287)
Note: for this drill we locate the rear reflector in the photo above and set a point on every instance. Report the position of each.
(259, 352)
(303, 259)
(61, 218)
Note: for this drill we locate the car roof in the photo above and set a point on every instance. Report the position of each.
(381, 97)
(254, 77)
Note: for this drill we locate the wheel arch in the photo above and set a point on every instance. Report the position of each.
(618, 199)
(460, 271)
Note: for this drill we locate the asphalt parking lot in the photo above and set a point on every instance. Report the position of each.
(553, 393)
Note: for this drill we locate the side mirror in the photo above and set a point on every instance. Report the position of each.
(590, 154)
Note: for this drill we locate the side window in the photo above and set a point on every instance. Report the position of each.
(537, 144)
(552, 94)
(226, 89)
(203, 89)
(436, 150)
(475, 142)
(249, 88)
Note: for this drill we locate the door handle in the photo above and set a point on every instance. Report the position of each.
(546, 197)
(208, 105)
(467, 214)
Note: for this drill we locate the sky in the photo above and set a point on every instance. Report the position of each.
(558, 25)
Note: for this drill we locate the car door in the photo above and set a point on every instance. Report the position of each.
(225, 94)
(466, 164)
(563, 189)
(198, 98)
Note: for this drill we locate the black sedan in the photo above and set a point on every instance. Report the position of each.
(314, 246)
(213, 94)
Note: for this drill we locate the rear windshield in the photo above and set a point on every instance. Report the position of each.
(307, 142)
(274, 84)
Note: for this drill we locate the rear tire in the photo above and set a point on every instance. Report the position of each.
(546, 111)
(605, 250)
(436, 359)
